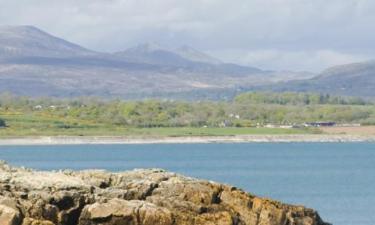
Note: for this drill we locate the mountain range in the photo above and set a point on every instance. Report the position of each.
(35, 63)
(355, 79)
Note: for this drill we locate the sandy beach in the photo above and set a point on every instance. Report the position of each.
(69, 140)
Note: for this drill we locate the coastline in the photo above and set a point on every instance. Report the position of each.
(141, 196)
(88, 140)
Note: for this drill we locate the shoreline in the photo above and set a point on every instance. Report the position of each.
(103, 140)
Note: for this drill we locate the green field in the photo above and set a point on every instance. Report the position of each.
(22, 116)
(20, 125)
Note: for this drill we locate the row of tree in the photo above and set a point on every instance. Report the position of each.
(246, 110)
(293, 98)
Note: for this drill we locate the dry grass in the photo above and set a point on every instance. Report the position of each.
(363, 130)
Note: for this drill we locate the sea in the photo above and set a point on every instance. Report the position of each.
(336, 179)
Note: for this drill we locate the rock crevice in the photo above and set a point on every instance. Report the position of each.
(138, 197)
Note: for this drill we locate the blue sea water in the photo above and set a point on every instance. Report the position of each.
(337, 179)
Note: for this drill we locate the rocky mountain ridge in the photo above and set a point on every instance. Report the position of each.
(18, 41)
(155, 54)
(35, 63)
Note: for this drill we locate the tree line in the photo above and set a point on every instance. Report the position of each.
(293, 98)
(249, 109)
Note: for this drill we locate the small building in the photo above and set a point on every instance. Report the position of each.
(286, 126)
(38, 107)
(349, 125)
(320, 124)
(234, 116)
(225, 123)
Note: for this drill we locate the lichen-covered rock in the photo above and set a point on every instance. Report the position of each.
(30, 221)
(118, 211)
(9, 212)
(9, 216)
(139, 197)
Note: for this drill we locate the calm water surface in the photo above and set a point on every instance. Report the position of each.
(337, 179)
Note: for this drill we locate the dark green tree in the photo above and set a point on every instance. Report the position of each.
(2, 123)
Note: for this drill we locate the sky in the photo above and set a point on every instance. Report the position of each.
(303, 35)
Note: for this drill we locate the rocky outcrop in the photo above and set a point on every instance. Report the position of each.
(139, 197)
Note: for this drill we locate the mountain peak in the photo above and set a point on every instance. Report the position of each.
(146, 47)
(21, 32)
(18, 28)
(192, 54)
(28, 40)
(151, 52)
(186, 48)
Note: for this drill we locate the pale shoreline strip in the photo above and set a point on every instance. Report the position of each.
(78, 140)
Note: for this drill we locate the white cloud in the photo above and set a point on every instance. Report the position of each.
(295, 28)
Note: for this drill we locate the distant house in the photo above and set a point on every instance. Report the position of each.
(320, 124)
(59, 107)
(225, 123)
(38, 107)
(286, 126)
(278, 126)
(234, 116)
(349, 125)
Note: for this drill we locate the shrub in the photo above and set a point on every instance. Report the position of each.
(2, 123)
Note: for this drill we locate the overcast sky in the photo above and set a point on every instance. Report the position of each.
(272, 34)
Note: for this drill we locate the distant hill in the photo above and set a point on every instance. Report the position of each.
(185, 57)
(357, 79)
(18, 41)
(156, 54)
(192, 54)
(35, 63)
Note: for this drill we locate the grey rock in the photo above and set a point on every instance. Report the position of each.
(139, 197)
